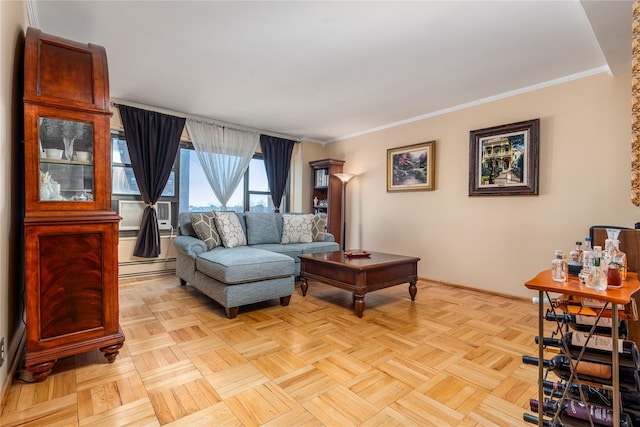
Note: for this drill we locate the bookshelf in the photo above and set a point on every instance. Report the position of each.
(326, 193)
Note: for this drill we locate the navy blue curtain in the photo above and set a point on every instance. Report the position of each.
(277, 161)
(152, 139)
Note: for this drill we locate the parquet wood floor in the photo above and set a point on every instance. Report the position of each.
(451, 358)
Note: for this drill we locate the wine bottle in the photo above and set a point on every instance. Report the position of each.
(634, 414)
(571, 410)
(594, 373)
(593, 394)
(536, 300)
(628, 407)
(547, 423)
(598, 348)
(582, 323)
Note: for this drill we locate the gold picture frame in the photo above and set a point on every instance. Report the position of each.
(635, 105)
(412, 167)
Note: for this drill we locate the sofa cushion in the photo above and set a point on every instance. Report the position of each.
(279, 224)
(243, 223)
(297, 228)
(204, 225)
(319, 227)
(261, 228)
(289, 250)
(317, 247)
(231, 233)
(185, 228)
(243, 264)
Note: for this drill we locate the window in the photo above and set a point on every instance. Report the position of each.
(123, 181)
(259, 195)
(195, 192)
(187, 187)
(252, 194)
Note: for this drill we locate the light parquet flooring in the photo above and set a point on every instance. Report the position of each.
(451, 358)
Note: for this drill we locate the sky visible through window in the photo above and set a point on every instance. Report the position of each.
(201, 195)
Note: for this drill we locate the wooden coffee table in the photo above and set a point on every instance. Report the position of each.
(359, 274)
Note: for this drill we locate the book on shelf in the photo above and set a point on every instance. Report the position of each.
(322, 177)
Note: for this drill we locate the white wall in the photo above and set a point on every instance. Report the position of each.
(497, 243)
(13, 24)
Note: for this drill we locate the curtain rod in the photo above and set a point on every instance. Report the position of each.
(116, 101)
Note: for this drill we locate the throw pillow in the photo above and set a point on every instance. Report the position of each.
(205, 228)
(297, 228)
(261, 228)
(319, 227)
(230, 229)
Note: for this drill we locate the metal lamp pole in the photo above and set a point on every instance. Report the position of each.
(344, 177)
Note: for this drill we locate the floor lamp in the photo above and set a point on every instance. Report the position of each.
(344, 177)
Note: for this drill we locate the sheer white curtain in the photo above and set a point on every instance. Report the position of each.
(224, 154)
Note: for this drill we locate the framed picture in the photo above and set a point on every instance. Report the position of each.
(503, 160)
(412, 168)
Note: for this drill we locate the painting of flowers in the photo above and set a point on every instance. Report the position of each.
(411, 168)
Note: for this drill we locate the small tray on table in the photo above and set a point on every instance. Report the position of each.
(356, 253)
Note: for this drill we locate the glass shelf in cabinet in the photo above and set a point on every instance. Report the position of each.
(67, 162)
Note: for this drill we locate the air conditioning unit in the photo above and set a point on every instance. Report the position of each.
(131, 213)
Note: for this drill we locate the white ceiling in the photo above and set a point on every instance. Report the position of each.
(325, 70)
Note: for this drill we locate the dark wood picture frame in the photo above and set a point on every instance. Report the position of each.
(503, 160)
(412, 167)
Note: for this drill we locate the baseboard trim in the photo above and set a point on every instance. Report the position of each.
(146, 274)
(15, 363)
(471, 288)
(146, 262)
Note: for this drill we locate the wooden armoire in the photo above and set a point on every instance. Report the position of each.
(70, 231)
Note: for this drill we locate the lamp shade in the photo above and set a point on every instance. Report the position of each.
(344, 177)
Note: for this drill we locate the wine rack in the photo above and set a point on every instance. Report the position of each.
(611, 302)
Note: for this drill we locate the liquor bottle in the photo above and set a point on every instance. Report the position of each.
(600, 396)
(576, 254)
(559, 272)
(619, 258)
(595, 373)
(587, 244)
(571, 411)
(587, 264)
(614, 278)
(607, 253)
(598, 348)
(575, 260)
(582, 323)
(587, 260)
(597, 278)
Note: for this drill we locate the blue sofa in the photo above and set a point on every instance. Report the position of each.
(236, 272)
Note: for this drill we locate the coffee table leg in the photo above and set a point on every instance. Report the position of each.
(304, 286)
(413, 290)
(359, 304)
